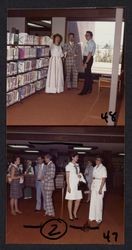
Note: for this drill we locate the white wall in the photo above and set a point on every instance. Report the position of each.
(59, 26)
(16, 22)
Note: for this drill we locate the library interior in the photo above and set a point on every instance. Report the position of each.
(29, 36)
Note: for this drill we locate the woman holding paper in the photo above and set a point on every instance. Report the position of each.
(15, 186)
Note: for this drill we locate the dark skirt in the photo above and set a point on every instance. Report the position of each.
(15, 189)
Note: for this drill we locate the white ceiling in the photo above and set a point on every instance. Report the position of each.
(114, 147)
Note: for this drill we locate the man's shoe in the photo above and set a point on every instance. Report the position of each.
(37, 211)
(90, 91)
(85, 226)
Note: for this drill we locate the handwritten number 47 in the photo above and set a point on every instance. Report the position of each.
(107, 236)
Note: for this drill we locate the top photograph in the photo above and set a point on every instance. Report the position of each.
(65, 67)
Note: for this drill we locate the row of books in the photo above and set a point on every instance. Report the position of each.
(24, 66)
(23, 92)
(25, 39)
(27, 78)
(26, 52)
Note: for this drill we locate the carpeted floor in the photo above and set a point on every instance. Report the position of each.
(113, 221)
(67, 108)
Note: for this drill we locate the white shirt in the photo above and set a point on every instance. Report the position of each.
(99, 173)
(40, 171)
(89, 47)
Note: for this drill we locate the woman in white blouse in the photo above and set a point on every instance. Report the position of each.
(55, 77)
(73, 176)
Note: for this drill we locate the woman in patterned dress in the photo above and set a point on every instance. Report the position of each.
(15, 186)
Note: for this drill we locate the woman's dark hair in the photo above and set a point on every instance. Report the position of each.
(73, 154)
(14, 158)
(49, 156)
(40, 156)
(71, 34)
(90, 32)
(54, 37)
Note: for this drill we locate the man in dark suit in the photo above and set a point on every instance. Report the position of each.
(49, 185)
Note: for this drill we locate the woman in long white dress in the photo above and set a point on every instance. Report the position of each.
(73, 194)
(55, 77)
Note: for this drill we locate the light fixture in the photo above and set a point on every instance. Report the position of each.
(35, 25)
(46, 21)
(18, 146)
(82, 148)
(81, 153)
(32, 151)
(121, 154)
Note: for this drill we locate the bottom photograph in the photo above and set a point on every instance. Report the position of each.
(65, 185)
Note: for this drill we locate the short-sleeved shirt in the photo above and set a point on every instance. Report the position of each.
(99, 173)
(89, 47)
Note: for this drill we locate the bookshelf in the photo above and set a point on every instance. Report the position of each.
(27, 65)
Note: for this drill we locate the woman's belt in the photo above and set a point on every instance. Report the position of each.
(97, 178)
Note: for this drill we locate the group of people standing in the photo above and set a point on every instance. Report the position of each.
(96, 180)
(45, 171)
(64, 61)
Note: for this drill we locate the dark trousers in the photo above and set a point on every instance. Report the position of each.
(87, 75)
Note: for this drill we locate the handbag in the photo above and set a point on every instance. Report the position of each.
(82, 186)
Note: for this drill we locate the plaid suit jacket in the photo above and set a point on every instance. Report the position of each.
(71, 51)
(49, 177)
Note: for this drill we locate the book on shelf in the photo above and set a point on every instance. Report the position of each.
(27, 78)
(11, 68)
(26, 91)
(12, 53)
(40, 84)
(12, 97)
(42, 73)
(10, 38)
(12, 83)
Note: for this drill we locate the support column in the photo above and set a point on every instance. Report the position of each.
(59, 26)
(115, 64)
(17, 23)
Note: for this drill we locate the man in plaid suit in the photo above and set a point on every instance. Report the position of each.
(49, 185)
(70, 50)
